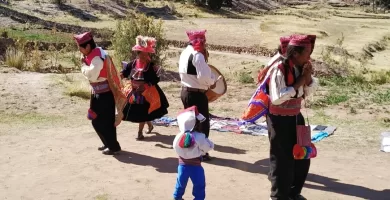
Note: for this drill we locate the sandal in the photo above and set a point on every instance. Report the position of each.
(140, 136)
(149, 130)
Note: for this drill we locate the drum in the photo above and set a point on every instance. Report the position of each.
(220, 88)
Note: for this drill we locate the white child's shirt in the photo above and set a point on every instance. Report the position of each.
(202, 145)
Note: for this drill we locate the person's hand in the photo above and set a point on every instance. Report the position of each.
(118, 119)
(82, 59)
(307, 71)
(215, 83)
(213, 86)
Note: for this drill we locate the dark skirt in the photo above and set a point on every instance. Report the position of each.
(139, 112)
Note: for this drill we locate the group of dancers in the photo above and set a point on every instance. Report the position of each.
(138, 98)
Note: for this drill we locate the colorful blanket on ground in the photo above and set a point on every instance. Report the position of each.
(222, 124)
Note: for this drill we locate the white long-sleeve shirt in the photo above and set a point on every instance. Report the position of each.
(92, 71)
(279, 92)
(203, 79)
(202, 145)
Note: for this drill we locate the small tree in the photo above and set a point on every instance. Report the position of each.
(132, 26)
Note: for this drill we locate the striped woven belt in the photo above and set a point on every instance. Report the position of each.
(100, 87)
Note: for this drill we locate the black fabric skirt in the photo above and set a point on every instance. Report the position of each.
(139, 112)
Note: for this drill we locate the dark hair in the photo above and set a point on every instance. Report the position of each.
(290, 52)
(293, 49)
(90, 42)
(280, 49)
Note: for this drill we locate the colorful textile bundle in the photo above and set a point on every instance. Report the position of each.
(136, 99)
(258, 104)
(127, 87)
(187, 140)
(116, 87)
(304, 152)
(153, 97)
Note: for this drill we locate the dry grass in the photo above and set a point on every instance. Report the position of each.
(78, 90)
(31, 118)
(74, 86)
(15, 58)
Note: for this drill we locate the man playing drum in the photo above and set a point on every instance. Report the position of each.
(196, 78)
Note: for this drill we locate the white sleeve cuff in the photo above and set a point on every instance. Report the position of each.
(288, 91)
(314, 82)
(309, 89)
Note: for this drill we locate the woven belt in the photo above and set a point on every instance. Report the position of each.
(100, 87)
(194, 89)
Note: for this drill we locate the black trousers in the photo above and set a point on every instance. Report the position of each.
(287, 175)
(104, 106)
(198, 99)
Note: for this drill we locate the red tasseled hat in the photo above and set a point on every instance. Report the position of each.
(145, 44)
(196, 35)
(302, 40)
(83, 38)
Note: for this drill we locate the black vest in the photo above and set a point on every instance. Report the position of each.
(190, 67)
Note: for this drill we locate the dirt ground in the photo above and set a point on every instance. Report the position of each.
(50, 149)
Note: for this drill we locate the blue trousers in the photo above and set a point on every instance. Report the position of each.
(196, 174)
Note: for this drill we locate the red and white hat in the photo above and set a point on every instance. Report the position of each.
(186, 119)
(83, 38)
(196, 35)
(296, 40)
(303, 40)
(145, 44)
(284, 43)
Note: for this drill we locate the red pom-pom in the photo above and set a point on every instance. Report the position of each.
(298, 152)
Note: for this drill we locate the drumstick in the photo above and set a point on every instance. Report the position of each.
(219, 77)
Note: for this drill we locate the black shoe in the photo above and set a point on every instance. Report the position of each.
(206, 157)
(102, 148)
(109, 152)
(298, 197)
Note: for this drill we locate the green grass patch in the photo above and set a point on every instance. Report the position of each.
(245, 77)
(344, 89)
(341, 89)
(331, 99)
(381, 97)
(36, 35)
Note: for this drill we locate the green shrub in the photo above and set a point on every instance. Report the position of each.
(132, 26)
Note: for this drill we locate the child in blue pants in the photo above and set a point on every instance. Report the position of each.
(190, 145)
